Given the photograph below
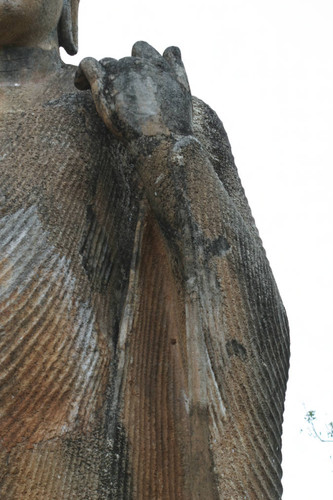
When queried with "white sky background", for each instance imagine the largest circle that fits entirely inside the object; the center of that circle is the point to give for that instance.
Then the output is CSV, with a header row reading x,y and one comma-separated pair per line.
x,y
266,68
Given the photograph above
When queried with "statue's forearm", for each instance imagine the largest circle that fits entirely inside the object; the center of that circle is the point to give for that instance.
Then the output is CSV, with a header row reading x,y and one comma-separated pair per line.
x,y
185,194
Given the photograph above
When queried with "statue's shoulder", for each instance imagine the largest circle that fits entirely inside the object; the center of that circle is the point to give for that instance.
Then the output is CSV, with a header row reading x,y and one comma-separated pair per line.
x,y
208,127
209,130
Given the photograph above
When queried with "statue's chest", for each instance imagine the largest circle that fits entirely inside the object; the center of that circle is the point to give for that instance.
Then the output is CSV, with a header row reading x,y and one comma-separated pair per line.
x,y
48,172
45,159
61,173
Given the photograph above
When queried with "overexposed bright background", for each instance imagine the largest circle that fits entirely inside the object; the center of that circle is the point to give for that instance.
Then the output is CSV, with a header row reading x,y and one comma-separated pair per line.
x,y
266,68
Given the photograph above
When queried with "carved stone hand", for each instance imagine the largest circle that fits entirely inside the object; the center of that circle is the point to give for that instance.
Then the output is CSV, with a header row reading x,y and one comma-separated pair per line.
x,y
143,95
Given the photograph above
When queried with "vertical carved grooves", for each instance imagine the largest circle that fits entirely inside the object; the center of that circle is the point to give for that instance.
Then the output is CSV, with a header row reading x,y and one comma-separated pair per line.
x,y
155,419
240,308
107,243
251,315
105,226
44,471
53,364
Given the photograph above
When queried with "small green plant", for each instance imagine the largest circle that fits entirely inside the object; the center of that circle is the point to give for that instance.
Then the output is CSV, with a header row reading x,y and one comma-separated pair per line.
x,y
311,417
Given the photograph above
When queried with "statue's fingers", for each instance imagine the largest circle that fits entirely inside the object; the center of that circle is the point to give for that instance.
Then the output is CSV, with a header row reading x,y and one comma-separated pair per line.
x,y
94,73
80,80
89,75
173,55
174,58
144,50
110,65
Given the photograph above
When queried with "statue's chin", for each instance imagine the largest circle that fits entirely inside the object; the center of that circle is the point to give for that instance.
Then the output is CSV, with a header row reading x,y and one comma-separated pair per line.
x,y
27,22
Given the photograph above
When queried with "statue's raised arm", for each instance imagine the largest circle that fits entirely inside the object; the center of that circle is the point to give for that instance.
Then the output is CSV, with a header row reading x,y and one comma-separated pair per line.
x,y
144,346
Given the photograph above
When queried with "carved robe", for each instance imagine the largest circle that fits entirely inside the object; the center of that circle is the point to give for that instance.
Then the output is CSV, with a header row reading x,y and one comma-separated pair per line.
x,y
143,350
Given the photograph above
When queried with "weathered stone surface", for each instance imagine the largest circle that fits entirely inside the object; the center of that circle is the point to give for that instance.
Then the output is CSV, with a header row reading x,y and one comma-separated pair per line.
x,y
143,343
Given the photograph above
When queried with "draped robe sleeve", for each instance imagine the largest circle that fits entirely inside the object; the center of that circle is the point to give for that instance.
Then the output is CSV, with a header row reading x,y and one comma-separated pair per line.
x,y
204,345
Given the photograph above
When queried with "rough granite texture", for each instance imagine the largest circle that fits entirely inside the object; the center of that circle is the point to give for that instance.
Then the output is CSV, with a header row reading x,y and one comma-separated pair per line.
x,y
144,346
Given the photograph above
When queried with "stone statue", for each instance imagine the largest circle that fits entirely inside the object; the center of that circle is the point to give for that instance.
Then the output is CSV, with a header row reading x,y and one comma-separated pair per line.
x,y
144,345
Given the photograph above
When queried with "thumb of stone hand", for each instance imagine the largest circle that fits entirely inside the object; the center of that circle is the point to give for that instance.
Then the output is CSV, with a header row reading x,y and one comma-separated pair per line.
x,y
91,74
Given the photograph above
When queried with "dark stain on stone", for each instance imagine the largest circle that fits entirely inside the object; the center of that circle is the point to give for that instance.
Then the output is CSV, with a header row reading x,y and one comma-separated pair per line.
x,y
234,348
219,247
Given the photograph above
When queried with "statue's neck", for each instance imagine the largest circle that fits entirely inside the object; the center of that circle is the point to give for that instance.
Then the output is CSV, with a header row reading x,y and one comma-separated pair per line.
x,y
20,65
